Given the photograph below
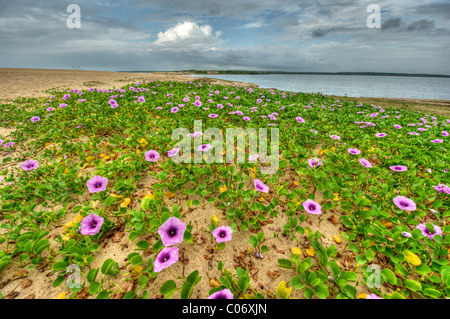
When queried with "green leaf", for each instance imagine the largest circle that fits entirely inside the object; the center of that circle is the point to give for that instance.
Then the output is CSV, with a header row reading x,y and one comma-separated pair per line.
x,y
41,245
284,263
143,244
322,291
389,276
110,200
94,288
109,267
58,281
129,295
60,266
309,292
335,269
168,289
186,290
413,285
143,280
92,274
431,293
350,291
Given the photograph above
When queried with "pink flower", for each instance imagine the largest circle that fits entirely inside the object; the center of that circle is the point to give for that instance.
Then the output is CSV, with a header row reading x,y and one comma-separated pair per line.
x,y
173,152
222,234
312,207
427,232
354,151
365,162
314,162
152,156
299,119
260,186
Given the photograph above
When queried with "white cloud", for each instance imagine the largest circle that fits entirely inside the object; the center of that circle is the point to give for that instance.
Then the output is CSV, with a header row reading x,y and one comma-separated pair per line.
x,y
189,33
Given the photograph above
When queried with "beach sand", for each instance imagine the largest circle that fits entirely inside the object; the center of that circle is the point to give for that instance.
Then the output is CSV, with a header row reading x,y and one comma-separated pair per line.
x,y
16,82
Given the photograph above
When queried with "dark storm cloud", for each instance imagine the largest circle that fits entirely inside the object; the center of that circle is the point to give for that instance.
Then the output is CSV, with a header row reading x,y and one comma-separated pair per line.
x,y
434,9
393,23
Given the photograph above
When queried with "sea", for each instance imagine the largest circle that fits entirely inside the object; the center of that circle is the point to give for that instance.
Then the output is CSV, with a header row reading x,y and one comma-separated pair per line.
x,y
349,85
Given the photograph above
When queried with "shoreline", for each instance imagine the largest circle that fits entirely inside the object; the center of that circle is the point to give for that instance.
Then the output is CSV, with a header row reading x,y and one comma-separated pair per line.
x,y
27,82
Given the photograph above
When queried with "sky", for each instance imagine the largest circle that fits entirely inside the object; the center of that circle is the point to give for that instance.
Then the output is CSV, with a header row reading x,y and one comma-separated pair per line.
x,y
168,35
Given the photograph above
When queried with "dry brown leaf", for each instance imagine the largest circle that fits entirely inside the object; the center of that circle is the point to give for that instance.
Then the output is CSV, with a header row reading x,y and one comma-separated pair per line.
x,y
273,274
26,283
213,282
20,274
116,237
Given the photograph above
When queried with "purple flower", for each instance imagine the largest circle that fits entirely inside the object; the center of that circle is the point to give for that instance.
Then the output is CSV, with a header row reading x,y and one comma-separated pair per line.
x,y
253,157
442,188
204,147
9,144
97,184
220,106
35,119
380,134
63,105
373,296
50,109
335,137
413,133
299,119
365,162
29,164
437,141
198,103
354,151
260,186
312,207
406,234
222,294
246,118
152,156
445,133
1,179
66,96
398,168
213,116
427,232
314,162
404,203
141,99
222,234
196,134
80,126
173,152
172,231
166,257
397,126
174,110
91,224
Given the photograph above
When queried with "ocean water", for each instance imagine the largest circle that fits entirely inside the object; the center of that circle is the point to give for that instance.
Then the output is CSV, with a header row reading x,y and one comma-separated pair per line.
x,y
349,85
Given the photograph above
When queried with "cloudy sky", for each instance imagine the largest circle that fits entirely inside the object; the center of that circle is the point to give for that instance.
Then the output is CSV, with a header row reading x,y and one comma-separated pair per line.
x,y
165,35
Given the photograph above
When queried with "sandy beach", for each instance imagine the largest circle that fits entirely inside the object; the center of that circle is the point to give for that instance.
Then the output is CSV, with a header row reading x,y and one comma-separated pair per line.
x,y
17,82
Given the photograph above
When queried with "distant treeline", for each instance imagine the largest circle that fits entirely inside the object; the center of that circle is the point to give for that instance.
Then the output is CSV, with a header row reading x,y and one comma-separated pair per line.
x,y
319,73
